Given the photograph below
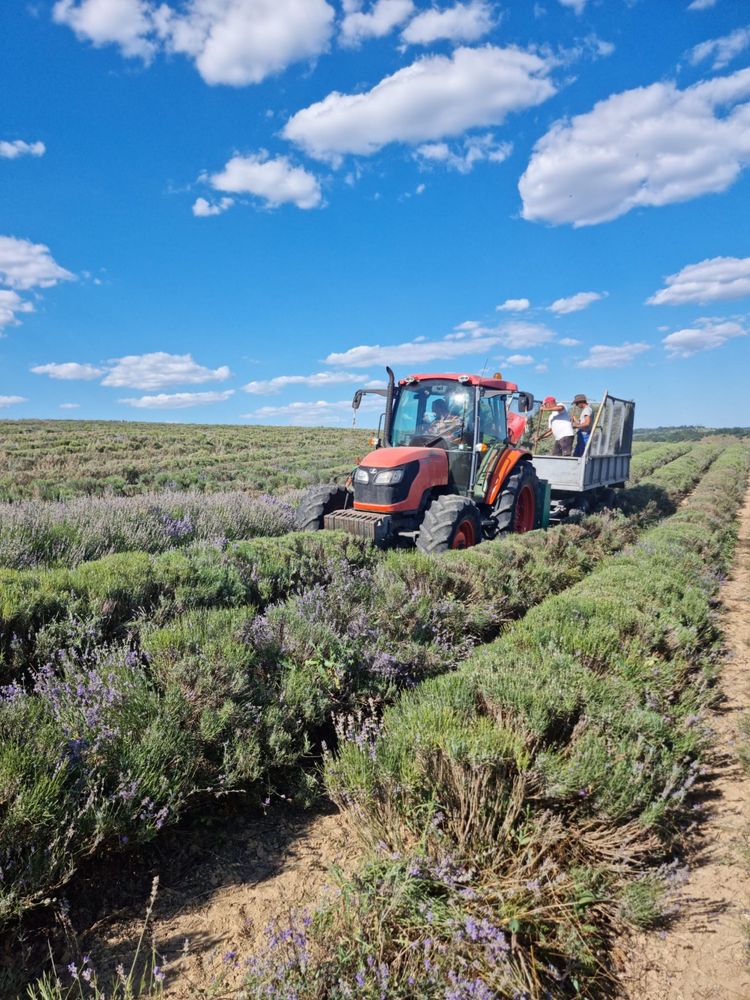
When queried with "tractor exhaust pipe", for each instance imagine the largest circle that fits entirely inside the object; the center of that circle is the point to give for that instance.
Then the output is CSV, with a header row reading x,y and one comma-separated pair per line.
x,y
388,407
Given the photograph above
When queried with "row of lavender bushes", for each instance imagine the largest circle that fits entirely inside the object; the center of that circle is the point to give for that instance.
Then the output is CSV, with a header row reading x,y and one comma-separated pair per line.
x,y
65,533
104,745
520,810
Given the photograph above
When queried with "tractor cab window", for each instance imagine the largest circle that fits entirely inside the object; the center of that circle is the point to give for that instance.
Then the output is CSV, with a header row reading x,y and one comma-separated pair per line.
x,y
435,413
492,419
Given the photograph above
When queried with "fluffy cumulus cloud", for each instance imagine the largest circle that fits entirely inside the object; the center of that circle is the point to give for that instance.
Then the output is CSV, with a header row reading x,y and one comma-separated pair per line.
x,y
11,304
235,42
577,5
463,22
433,98
463,158
274,385
203,209
159,369
514,305
12,150
69,371
70,406
519,359
379,20
650,146
25,265
721,50
320,413
702,4
569,342
275,180
713,280
12,400
177,400
611,356
575,303
706,334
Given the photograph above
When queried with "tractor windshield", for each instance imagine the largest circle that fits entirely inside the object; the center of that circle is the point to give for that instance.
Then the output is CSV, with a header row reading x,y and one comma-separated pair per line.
x,y
436,413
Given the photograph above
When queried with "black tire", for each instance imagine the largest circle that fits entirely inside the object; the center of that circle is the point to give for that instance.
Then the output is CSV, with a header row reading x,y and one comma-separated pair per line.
x,y
316,503
447,521
506,506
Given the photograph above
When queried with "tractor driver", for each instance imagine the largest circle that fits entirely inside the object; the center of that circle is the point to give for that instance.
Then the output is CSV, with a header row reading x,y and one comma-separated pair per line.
x,y
446,424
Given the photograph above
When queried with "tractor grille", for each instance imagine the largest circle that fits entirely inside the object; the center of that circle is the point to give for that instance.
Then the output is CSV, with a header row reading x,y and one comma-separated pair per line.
x,y
363,523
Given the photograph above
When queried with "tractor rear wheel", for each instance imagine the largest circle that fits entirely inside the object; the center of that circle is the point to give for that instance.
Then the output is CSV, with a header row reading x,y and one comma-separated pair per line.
x,y
316,503
515,509
450,522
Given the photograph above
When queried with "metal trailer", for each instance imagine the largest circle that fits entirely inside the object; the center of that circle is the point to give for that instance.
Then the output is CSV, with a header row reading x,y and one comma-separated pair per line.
x,y
576,483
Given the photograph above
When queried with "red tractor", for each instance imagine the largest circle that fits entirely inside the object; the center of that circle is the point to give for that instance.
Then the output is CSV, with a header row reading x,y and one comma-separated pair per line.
x,y
446,471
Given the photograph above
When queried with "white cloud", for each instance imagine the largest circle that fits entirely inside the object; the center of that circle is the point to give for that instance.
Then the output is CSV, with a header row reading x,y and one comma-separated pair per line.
x,y
702,4
276,181
177,400
380,20
435,97
273,385
575,303
722,50
126,23
463,22
319,413
11,303
68,370
474,150
706,335
541,368
25,265
569,342
609,356
577,5
519,359
519,334
650,146
159,369
70,406
714,280
12,400
514,305
202,208
16,148
235,42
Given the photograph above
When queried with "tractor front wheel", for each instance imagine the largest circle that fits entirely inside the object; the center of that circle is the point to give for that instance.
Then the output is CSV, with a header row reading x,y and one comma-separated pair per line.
x,y
515,509
450,522
316,503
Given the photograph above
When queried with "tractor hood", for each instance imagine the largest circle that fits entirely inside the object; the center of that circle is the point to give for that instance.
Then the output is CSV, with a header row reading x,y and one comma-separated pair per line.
x,y
423,470
390,458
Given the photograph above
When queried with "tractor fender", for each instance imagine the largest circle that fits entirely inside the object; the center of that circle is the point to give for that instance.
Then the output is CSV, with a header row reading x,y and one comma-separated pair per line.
x,y
506,463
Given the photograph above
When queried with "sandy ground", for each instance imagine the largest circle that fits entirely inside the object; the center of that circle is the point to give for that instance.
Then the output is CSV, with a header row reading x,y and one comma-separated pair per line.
x,y
216,898
704,954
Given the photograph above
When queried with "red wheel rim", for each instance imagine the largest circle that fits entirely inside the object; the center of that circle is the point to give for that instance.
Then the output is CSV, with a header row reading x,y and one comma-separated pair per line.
x,y
465,535
525,510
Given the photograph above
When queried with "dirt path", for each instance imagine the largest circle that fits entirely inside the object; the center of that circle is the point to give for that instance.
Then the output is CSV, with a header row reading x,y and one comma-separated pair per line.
x,y
704,955
215,898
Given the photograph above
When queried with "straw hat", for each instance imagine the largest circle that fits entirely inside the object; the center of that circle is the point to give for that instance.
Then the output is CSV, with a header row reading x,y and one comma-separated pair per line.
x,y
580,399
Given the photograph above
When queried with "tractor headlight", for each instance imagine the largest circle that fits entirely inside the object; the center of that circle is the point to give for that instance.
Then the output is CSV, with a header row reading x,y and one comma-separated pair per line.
x,y
360,476
389,477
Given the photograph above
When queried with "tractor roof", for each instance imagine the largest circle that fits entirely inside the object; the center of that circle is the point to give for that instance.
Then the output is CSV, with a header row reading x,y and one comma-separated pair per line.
x,y
487,383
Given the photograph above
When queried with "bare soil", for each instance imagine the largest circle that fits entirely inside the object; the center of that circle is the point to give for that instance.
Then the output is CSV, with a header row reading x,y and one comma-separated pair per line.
x,y
220,885
704,953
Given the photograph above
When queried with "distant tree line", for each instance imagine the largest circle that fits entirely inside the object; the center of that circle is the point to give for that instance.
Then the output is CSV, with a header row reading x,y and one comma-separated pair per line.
x,y
687,432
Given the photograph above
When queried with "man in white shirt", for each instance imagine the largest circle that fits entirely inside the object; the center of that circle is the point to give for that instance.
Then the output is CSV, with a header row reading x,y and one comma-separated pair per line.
x,y
582,423
560,426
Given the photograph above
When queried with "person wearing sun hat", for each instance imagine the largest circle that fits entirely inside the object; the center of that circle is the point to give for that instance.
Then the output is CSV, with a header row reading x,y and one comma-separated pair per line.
x,y
559,425
582,423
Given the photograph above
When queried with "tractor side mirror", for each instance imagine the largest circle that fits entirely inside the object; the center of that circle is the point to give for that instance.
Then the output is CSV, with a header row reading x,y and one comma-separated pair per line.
x,y
525,402
357,399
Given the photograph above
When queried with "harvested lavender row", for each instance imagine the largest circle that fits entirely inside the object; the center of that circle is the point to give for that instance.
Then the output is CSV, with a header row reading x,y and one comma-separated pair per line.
x,y
515,804
44,533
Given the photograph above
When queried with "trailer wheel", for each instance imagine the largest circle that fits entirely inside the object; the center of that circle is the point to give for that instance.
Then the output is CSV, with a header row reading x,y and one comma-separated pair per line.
x,y
515,509
450,522
316,503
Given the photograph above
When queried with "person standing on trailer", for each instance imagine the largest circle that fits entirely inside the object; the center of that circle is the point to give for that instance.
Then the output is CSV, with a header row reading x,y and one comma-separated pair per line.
x,y
560,426
582,423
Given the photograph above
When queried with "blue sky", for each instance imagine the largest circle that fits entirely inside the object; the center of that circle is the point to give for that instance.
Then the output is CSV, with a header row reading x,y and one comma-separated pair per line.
x,y
240,210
